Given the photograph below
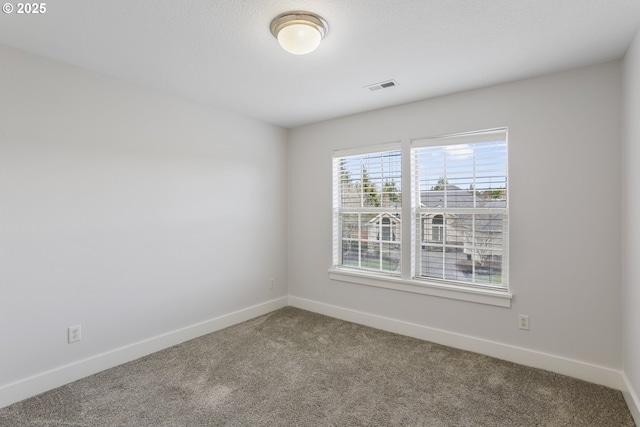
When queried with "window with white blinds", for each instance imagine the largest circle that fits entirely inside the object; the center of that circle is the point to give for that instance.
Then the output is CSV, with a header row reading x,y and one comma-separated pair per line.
x,y
367,209
460,201
453,212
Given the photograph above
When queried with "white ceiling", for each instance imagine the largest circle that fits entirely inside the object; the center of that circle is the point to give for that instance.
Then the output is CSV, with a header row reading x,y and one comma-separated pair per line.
x,y
220,52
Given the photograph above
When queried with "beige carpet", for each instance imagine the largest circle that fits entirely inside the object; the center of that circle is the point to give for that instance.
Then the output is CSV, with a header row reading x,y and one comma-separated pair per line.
x,y
295,368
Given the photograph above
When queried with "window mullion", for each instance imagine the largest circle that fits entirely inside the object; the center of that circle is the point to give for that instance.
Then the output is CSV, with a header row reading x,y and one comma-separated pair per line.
x,y
409,211
359,236
473,247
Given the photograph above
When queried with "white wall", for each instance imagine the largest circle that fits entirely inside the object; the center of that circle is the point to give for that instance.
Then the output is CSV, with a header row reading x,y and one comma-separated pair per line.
x,y
630,225
564,136
131,212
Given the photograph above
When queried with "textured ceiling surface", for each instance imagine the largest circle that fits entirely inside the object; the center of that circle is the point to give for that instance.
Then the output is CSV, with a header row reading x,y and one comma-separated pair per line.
x,y
221,52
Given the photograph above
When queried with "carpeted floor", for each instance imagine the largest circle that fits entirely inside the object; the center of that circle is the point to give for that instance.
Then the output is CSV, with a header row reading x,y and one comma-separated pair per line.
x,y
296,368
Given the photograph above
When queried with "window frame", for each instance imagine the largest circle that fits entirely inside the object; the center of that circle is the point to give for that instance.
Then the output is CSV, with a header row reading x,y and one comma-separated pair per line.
x,y
408,234
339,211
478,208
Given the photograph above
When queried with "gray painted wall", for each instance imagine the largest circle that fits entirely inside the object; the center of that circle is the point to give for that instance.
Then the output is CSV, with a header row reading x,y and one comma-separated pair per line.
x,y
565,158
630,225
128,211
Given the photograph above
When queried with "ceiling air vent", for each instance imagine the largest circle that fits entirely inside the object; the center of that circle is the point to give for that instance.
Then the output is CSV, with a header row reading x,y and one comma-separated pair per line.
x,y
382,85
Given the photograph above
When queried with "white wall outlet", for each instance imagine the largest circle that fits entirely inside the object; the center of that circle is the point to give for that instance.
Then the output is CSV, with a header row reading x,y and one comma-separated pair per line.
x,y
523,322
272,283
75,333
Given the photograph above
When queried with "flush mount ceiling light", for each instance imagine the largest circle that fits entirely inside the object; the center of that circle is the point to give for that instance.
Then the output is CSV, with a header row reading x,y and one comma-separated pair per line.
x,y
299,32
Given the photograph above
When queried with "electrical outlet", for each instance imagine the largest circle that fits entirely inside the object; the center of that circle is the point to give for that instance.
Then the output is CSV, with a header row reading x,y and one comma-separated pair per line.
x,y
523,322
75,333
272,283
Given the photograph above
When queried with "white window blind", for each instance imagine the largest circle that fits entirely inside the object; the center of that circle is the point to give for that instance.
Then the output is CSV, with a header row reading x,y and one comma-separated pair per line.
x,y
367,210
460,203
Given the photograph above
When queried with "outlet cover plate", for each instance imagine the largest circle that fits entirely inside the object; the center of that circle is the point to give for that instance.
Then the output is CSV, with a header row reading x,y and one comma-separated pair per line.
x,y
74,333
523,322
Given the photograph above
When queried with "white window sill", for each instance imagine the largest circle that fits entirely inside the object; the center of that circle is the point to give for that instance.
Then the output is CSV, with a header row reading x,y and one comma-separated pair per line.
x,y
477,295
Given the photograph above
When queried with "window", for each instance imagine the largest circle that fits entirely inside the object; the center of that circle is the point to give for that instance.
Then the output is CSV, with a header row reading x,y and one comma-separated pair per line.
x,y
437,228
461,186
367,211
456,208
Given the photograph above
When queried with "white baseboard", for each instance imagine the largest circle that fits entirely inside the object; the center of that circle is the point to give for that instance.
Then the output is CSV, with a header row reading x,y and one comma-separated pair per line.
x,y
632,400
19,390
584,371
